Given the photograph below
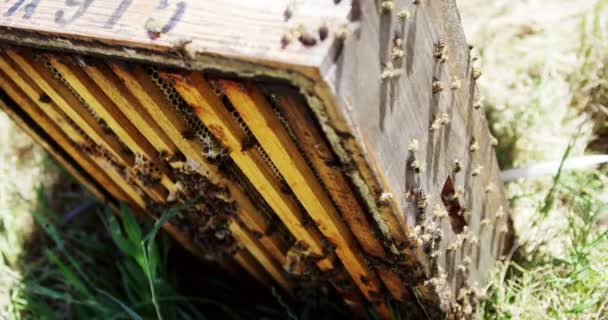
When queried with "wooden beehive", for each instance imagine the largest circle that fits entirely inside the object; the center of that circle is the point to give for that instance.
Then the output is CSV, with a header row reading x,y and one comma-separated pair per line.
x,y
315,143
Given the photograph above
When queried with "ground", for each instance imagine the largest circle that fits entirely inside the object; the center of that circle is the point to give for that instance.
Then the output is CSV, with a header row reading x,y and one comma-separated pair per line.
x,y
545,83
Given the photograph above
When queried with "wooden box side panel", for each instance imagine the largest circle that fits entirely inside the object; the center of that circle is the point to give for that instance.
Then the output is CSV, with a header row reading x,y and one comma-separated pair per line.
x,y
386,100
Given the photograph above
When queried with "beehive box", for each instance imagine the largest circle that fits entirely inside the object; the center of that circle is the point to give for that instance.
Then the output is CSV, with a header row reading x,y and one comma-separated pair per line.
x,y
315,143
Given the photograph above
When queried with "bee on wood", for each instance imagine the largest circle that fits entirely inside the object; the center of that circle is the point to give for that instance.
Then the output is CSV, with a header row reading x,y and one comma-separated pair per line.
x,y
418,166
306,38
44,98
444,119
385,198
422,200
493,141
389,72
403,15
457,166
414,145
474,145
476,72
440,51
435,125
476,171
323,31
490,188
456,83
286,40
288,13
387,6
437,86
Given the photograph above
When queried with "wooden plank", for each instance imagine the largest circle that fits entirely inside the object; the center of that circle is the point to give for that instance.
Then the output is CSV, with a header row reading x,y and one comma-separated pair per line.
x,y
50,127
129,131
129,106
319,154
211,112
64,99
153,101
257,114
251,30
57,126
60,95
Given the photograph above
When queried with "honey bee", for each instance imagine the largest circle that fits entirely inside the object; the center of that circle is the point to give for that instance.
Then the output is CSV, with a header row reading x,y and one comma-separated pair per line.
x,y
440,51
323,31
387,6
437,86
474,145
418,166
456,83
414,145
403,15
476,171
457,166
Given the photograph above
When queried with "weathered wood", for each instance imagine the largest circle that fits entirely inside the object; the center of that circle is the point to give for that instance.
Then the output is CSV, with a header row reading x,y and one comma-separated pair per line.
x,y
232,28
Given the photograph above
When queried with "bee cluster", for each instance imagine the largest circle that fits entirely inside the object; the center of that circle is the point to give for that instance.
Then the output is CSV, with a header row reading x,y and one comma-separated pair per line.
x,y
204,212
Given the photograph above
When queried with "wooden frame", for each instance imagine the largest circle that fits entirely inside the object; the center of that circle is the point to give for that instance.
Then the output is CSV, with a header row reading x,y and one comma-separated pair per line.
x,y
379,91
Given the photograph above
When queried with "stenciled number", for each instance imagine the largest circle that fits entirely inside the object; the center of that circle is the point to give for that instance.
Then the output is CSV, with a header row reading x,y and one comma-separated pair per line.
x,y
81,7
28,9
124,5
180,9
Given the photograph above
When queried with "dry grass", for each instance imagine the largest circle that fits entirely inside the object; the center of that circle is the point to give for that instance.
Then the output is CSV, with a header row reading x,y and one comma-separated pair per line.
x,y
545,83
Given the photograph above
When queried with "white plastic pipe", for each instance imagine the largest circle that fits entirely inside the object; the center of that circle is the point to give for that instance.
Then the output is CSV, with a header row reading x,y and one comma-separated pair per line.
x,y
550,168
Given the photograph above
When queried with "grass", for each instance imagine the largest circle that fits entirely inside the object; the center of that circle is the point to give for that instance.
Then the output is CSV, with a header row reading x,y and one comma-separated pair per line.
x,y
570,285
545,87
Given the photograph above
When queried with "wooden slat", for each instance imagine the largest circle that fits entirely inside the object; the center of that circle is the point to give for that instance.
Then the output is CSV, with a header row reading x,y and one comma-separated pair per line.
x,y
320,156
64,99
75,110
129,131
197,93
263,123
52,129
129,106
153,101
97,99
57,126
